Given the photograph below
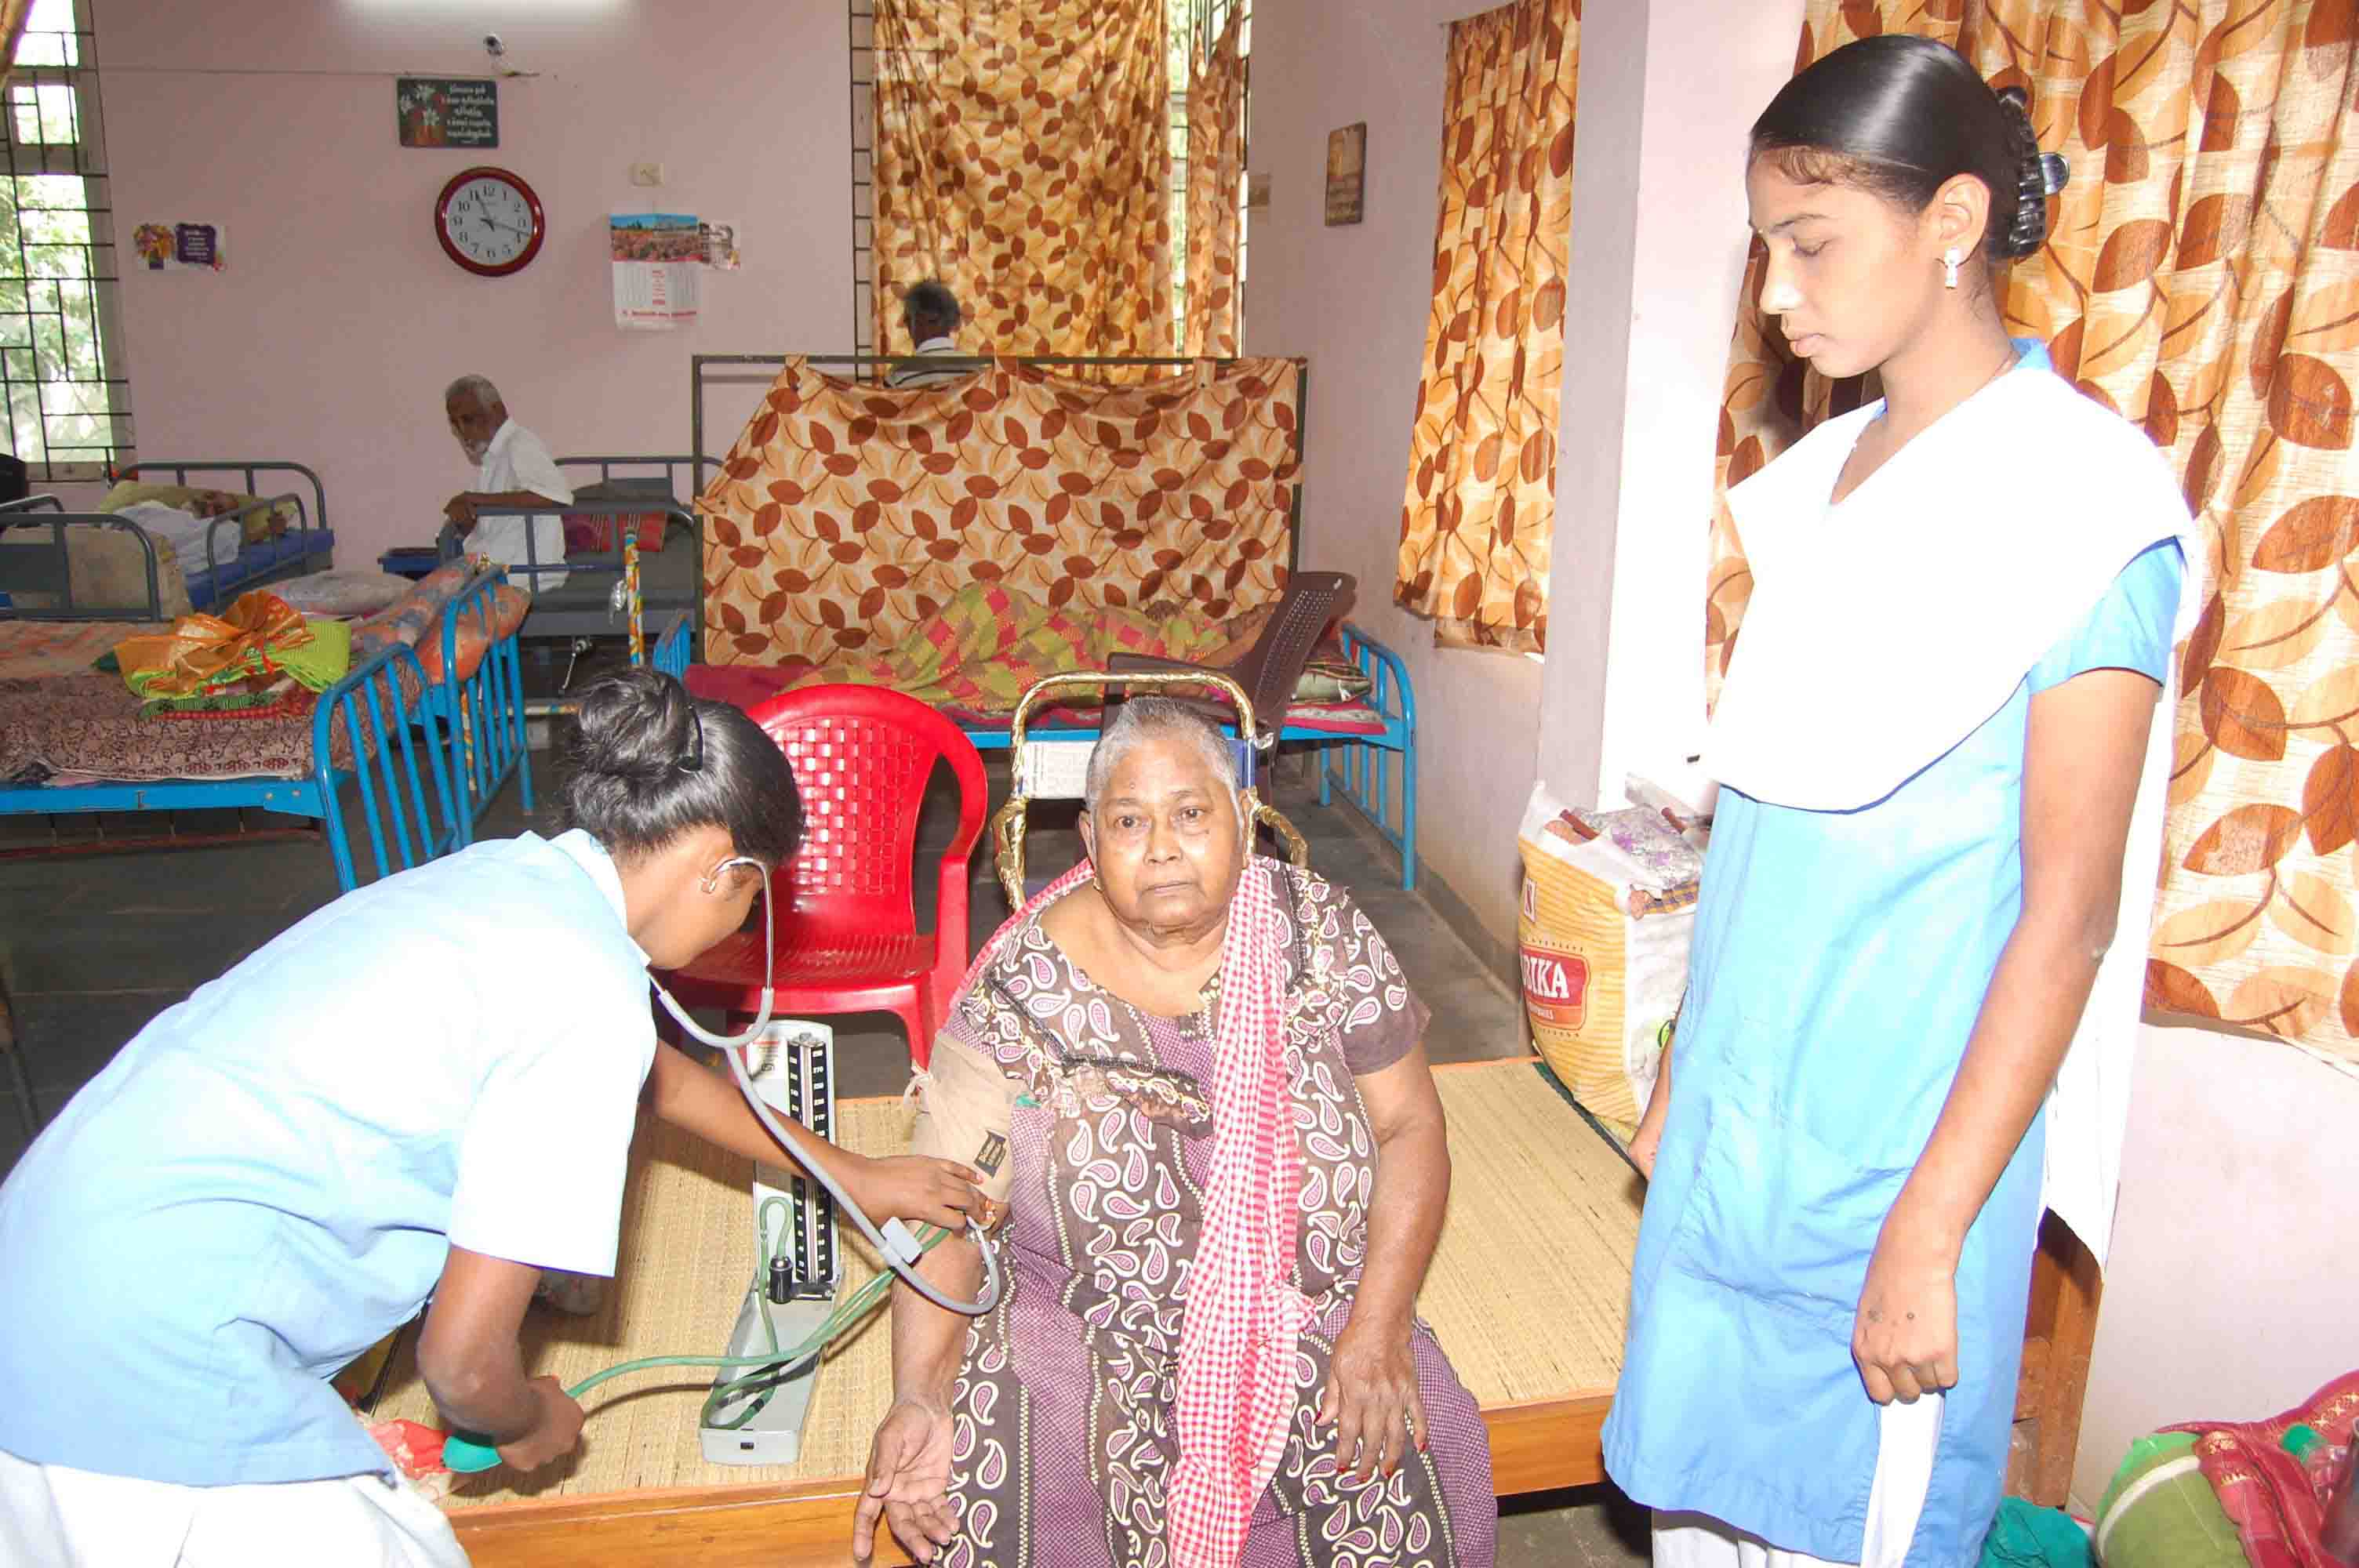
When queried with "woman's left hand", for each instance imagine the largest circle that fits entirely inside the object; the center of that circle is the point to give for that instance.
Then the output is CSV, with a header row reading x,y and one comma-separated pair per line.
x,y
1371,1397
918,1188
1905,1337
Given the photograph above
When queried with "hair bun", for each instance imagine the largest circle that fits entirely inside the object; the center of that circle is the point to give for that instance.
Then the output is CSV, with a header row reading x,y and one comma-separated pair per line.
x,y
2039,176
636,725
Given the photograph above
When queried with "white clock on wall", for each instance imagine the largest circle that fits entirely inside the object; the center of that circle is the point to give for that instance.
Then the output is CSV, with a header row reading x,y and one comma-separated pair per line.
x,y
489,221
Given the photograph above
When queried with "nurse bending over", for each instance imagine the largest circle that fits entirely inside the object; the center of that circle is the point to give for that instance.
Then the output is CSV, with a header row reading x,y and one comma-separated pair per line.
x,y
426,1089
1936,739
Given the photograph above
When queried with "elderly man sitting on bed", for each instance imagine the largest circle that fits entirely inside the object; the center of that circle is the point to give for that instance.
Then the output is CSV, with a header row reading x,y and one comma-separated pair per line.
x,y
1197,1080
514,468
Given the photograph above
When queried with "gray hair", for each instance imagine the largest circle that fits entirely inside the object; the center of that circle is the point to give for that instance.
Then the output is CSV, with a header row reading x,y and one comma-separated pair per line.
x,y
1142,718
478,387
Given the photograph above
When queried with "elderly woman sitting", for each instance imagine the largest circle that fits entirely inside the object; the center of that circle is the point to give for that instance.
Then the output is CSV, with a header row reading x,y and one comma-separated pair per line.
x,y
1199,1080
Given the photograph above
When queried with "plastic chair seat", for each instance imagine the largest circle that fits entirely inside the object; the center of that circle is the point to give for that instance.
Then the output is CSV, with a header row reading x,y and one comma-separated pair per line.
x,y
737,961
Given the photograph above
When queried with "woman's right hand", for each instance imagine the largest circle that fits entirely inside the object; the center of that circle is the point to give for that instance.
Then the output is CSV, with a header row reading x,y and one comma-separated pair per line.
x,y
1649,1135
908,1481
556,1434
918,1188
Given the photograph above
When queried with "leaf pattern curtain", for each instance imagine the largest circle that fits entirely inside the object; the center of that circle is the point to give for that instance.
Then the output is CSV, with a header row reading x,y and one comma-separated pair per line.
x,y
1023,157
846,514
1481,499
2202,280
12,14
1216,167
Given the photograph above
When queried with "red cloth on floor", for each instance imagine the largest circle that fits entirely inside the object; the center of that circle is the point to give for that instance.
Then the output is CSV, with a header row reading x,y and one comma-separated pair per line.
x,y
2278,1502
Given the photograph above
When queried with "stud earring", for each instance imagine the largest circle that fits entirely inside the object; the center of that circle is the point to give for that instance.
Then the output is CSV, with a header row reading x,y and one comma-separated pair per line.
x,y
1949,267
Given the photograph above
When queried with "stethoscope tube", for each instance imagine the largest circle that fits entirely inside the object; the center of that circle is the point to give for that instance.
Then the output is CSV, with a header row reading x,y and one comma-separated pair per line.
x,y
893,1242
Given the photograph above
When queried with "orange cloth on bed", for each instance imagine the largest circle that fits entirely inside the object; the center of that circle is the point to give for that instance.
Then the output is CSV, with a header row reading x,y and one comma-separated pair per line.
x,y
206,653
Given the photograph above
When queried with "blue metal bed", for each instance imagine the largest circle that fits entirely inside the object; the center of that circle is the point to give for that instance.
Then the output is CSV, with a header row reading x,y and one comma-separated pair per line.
x,y
421,788
310,545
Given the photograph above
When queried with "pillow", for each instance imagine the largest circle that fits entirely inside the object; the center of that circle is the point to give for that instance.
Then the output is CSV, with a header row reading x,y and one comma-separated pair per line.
x,y
353,591
505,614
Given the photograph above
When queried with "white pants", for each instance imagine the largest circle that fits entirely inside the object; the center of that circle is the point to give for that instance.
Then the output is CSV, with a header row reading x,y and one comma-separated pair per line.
x,y
1910,1437
53,1516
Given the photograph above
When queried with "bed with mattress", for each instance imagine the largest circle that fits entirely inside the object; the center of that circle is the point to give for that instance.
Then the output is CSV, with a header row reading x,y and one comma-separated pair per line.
x,y
419,732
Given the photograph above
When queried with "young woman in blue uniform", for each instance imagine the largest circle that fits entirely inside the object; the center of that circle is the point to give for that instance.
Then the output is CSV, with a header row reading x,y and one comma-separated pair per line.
x,y
426,1089
1938,721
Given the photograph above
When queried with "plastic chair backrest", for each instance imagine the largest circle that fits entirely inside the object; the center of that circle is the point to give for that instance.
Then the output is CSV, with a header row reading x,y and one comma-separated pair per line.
x,y
861,756
1271,668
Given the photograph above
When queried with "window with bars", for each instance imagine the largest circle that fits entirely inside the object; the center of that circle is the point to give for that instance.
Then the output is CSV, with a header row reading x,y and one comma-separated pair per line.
x,y
60,328
1193,24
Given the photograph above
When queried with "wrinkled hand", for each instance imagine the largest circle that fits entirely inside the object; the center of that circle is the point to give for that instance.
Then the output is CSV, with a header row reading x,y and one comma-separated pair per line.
x,y
918,1188
461,509
1371,1397
908,1482
1905,1337
557,1433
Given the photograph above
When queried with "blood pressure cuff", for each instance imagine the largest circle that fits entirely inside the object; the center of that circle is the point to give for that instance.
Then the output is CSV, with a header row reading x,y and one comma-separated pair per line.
x,y
965,1107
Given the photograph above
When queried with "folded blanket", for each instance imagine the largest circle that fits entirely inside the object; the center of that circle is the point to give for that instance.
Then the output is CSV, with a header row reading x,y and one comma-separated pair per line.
x,y
258,642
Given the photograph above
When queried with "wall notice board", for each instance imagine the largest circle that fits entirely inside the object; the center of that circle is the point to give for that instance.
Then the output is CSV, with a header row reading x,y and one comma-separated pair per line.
x,y
447,111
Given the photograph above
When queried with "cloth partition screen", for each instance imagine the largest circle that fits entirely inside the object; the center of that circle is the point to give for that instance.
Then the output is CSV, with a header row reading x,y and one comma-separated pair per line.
x,y
846,512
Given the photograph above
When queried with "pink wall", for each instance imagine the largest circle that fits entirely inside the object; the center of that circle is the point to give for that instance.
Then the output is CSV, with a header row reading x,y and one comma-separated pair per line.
x,y
338,321
1354,298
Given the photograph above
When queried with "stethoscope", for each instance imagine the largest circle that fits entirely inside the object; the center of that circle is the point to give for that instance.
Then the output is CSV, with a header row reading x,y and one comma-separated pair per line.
x,y
899,1249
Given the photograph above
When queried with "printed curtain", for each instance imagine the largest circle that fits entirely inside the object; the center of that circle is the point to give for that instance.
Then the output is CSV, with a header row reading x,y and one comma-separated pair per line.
x,y
1482,463
12,14
1023,157
846,512
2202,280
1216,167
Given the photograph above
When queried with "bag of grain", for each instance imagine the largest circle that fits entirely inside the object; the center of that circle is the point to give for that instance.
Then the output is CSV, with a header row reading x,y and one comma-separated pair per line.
x,y
1608,911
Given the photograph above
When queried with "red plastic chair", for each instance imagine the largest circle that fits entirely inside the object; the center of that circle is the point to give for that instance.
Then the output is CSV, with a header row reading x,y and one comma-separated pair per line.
x,y
847,926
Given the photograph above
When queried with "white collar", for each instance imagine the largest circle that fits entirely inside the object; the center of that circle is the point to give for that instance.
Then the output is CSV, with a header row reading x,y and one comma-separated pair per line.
x,y
579,845
507,433
1884,630
938,346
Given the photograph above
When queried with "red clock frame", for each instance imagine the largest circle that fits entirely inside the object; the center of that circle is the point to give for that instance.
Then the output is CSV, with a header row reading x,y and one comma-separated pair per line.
x,y
515,183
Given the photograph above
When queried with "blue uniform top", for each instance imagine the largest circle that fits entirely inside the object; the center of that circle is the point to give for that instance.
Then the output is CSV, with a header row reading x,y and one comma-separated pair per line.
x,y
268,1178
1841,960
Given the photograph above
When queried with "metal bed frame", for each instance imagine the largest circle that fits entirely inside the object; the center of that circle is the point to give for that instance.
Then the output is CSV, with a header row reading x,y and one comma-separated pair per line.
x,y
308,557
206,589
422,767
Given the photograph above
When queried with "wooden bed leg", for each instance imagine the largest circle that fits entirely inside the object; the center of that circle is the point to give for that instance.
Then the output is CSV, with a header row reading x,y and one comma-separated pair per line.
x,y
2060,1330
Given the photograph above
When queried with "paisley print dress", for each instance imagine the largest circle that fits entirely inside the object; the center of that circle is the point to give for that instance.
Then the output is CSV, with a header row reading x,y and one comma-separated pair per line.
x,y
1063,1432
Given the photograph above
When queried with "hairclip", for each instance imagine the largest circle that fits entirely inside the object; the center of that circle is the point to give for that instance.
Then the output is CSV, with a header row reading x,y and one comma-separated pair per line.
x,y
694,760
2053,173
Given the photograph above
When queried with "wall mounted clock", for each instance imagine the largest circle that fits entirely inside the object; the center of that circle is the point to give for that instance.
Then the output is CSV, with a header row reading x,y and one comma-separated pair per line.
x,y
489,221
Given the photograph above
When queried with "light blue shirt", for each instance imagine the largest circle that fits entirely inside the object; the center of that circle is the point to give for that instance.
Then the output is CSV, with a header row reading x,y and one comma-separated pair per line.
x,y
268,1178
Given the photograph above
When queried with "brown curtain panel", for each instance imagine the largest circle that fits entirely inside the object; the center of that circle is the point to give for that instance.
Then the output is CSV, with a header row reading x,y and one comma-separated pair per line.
x,y
1482,467
1023,157
12,32
1216,167
2202,280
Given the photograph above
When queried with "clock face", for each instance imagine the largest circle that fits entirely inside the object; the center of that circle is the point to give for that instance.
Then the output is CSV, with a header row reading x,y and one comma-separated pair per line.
x,y
489,221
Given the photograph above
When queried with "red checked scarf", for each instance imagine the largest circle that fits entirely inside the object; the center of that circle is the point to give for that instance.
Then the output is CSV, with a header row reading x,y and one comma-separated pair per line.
x,y
1236,1375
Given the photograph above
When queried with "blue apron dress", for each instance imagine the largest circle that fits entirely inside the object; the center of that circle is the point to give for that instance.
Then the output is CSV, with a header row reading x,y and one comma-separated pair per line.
x,y
1841,960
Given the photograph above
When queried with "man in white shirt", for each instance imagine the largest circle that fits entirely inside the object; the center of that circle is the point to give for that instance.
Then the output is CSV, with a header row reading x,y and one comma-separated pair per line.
x,y
931,315
514,470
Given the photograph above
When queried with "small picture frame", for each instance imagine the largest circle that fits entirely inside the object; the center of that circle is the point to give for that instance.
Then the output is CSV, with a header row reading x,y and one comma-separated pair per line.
x,y
1347,174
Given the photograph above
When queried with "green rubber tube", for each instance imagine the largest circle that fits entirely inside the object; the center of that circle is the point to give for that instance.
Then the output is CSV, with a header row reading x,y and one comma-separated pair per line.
x,y
463,1454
